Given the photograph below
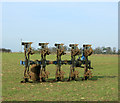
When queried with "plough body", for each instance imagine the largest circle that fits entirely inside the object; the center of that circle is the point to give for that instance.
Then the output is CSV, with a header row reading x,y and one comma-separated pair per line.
x,y
38,72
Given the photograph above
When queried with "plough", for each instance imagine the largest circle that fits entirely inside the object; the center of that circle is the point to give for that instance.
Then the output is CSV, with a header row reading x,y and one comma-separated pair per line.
x,y
38,72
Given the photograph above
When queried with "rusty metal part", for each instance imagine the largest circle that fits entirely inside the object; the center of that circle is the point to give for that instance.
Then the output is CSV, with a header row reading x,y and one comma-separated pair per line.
x,y
59,76
35,72
74,49
27,51
74,52
87,50
60,51
73,74
38,71
44,52
88,75
87,72
44,74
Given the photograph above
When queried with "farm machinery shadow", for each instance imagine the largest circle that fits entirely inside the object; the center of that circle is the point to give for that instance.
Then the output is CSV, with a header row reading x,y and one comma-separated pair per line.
x,y
81,78
94,78
97,77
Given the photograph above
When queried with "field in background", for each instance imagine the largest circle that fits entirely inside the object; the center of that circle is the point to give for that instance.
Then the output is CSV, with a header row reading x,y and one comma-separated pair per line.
x,y
102,87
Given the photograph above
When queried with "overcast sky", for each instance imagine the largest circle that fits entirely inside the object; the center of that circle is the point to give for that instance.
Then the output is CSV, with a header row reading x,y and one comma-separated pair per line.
x,y
93,23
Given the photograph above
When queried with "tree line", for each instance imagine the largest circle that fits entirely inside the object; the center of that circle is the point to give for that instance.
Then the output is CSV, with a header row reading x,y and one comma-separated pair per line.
x,y
97,50
5,50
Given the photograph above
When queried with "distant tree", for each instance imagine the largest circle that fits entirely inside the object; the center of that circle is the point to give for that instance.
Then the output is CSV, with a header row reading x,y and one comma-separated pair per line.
x,y
98,50
114,50
104,50
5,50
8,50
108,50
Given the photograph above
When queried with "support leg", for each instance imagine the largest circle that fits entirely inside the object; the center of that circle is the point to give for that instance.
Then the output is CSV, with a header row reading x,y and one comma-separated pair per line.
x,y
59,74
87,73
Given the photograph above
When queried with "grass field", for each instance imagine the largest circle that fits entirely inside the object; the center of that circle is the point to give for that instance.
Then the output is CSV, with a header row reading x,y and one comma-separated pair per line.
x,y
102,87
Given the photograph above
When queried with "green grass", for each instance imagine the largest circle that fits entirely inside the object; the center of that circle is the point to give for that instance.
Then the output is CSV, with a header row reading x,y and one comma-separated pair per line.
x,y
102,87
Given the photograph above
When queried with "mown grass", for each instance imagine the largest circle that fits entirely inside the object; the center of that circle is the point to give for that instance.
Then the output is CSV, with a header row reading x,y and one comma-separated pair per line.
x,y
102,87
